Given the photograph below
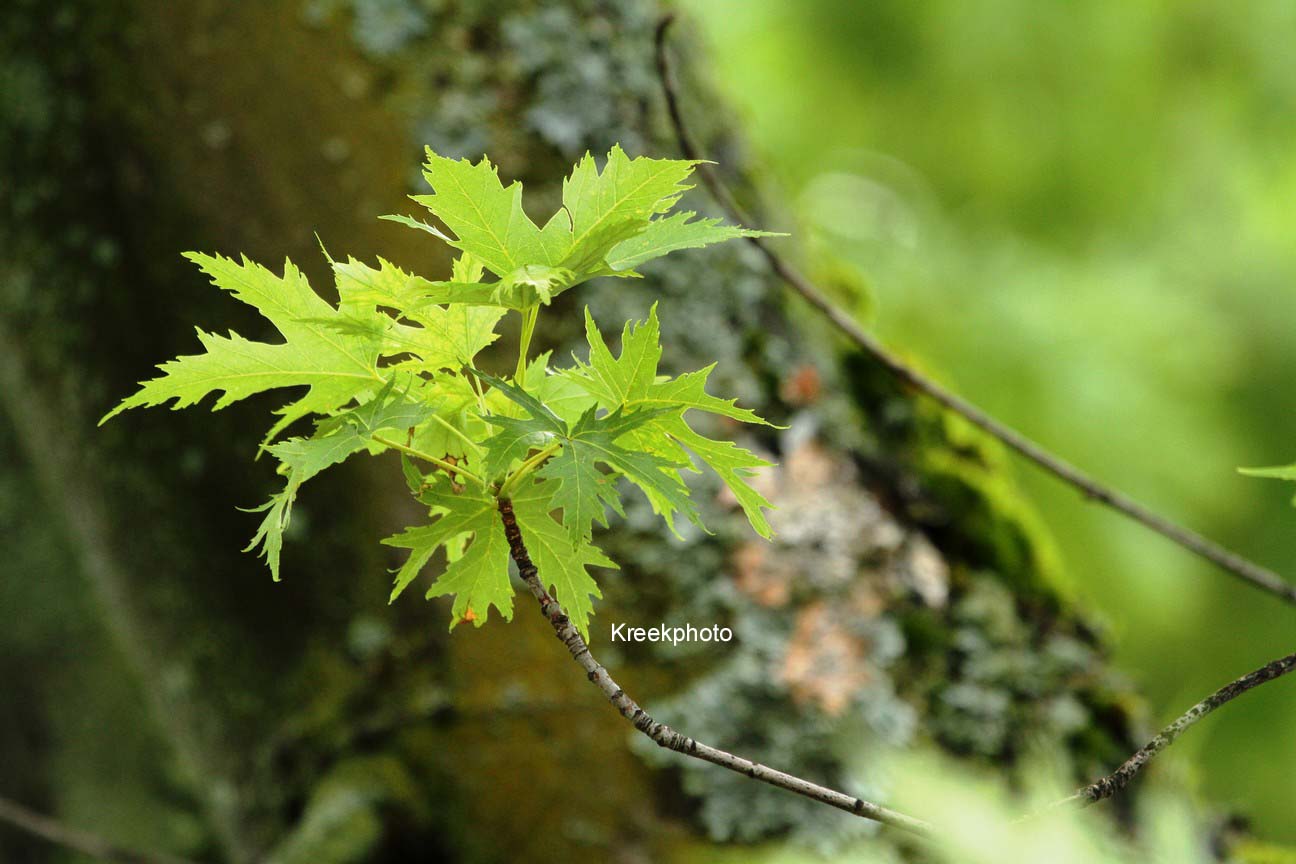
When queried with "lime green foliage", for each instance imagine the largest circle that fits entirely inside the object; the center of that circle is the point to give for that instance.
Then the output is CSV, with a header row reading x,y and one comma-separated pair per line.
x,y
1280,472
630,383
605,227
1254,852
478,569
562,561
392,367
335,439
318,351
1067,277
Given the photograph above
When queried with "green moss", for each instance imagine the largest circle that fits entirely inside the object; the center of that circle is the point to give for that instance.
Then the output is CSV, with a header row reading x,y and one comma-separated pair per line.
x,y
956,481
990,524
1013,659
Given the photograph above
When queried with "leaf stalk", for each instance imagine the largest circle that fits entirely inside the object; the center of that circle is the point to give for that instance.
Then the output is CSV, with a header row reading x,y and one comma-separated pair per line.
x,y
429,458
527,467
529,316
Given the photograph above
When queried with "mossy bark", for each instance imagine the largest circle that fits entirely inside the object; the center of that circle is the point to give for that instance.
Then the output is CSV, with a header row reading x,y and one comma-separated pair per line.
x,y
307,720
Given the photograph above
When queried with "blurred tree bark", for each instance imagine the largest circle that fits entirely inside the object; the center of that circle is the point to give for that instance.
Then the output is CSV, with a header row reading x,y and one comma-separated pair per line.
x,y
167,693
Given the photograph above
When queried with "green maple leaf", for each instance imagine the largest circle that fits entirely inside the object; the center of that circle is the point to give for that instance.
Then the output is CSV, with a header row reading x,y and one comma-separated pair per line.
x,y
1280,472
487,218
335,439
611,206
480,294
545,419
630,383
562,563
670,234
559,393
393,288
617,381
477,575
612,220
386,285
300,459
391,366
734,465
517,436
458,419
582,489
564,402
335,366
460,330
596,441
631,380
439,336
466,269
532,284
417,225
398,408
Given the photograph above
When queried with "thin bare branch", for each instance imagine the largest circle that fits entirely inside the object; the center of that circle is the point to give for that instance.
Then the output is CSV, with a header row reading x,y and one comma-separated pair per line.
x,y
1121,777
664,735
1257,576
91,845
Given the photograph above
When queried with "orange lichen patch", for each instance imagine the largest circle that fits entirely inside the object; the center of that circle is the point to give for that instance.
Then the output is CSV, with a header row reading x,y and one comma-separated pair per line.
x,y
802,386
811,466
864,602
825,664
767,585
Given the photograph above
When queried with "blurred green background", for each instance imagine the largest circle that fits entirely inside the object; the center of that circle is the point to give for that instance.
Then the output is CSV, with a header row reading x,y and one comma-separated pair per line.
x,y
1083,217
1075,214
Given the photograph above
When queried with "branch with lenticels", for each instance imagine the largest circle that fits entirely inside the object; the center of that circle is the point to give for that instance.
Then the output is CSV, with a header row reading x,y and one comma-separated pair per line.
x,y
1121,777
664,735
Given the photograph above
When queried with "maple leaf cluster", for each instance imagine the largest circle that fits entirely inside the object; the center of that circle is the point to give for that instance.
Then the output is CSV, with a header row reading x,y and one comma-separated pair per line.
x,y
392,367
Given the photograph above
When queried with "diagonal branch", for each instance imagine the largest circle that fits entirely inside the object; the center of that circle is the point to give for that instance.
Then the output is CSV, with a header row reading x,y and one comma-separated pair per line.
x,y
1259,577
1120,778
664,735
90,845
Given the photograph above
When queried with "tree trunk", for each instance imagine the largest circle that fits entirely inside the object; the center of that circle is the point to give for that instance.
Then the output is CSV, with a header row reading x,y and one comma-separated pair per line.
x,y
173,696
